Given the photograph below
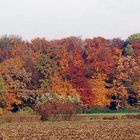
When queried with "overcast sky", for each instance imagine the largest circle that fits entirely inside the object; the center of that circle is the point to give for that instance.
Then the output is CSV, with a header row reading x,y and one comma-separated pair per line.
x,y
61,18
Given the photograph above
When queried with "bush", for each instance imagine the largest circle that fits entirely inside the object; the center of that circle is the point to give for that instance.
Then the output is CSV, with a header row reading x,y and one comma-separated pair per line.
x,y
27,110
57,110
55,107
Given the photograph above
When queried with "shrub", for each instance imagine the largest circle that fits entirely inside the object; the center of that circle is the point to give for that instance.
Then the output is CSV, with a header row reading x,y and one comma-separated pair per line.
x,y
55,107
27,110
57,110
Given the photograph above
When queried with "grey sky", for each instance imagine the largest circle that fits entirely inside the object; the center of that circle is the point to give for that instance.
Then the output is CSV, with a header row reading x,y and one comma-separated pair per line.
x,y
61,18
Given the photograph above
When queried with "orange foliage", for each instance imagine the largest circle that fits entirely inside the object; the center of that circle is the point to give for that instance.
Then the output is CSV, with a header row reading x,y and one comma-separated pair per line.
x,y
98,85
69,67
10,65
11,98
62,87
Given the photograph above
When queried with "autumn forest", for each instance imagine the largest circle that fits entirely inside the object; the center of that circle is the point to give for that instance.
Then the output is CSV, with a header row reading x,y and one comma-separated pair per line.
x,y
94,72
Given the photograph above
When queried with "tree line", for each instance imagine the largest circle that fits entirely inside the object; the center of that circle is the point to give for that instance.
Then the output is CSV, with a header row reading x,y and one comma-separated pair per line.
x,y
94,72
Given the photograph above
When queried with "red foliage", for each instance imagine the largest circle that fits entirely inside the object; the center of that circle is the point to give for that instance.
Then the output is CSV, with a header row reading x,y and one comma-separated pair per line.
x,y
136,47
99,55
78,80
71,61
57,110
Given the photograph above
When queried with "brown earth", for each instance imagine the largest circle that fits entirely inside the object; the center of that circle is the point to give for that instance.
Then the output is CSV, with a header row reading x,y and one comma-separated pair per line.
x,y
78,130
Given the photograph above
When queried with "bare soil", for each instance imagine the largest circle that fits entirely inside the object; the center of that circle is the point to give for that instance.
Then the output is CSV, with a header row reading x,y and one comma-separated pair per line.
x,y
76,130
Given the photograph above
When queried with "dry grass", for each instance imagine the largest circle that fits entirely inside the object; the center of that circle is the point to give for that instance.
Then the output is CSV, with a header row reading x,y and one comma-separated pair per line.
x,y
103,130
19,117
108,116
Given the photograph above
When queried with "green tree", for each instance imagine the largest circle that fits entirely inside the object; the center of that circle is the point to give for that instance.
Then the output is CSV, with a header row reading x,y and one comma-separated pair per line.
x,y
129,50
134,37
47,66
